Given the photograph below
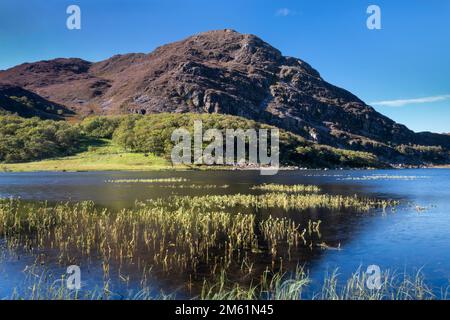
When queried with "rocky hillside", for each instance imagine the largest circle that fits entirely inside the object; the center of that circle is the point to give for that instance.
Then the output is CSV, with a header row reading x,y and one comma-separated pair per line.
x,y
230,73
16,100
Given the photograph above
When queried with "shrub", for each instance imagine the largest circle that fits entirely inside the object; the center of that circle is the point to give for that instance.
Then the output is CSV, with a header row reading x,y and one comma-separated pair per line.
x,y
100,127
33,139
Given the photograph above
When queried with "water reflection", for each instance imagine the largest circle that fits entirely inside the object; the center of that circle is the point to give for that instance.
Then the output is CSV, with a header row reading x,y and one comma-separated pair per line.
x,y
406,239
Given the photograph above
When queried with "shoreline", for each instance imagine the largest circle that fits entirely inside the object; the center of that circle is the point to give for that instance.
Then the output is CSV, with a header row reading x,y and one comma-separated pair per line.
x,y
31,168
110,157
444,166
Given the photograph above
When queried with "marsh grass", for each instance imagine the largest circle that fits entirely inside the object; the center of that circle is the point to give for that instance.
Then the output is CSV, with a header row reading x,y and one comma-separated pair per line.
x,y
394,286
204,237
42,284
275,230
296,286
283,201
177,239
179,234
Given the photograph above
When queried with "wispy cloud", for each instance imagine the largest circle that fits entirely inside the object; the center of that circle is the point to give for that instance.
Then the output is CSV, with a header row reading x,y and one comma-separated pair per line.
x,y
284,12
404,102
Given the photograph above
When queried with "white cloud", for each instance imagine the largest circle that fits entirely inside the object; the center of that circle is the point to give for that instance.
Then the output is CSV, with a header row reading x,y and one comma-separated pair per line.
x,y
404,102
284,12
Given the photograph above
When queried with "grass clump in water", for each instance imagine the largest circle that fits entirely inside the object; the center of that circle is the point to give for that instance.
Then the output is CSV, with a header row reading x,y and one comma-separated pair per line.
x,y
286,188
283,201
195,186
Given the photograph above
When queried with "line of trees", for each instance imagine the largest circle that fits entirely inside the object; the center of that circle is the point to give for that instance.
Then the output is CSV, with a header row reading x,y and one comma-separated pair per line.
x,y
24,140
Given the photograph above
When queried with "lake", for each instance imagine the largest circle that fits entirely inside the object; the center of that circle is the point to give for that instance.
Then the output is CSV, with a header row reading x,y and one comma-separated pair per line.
x,y
414,237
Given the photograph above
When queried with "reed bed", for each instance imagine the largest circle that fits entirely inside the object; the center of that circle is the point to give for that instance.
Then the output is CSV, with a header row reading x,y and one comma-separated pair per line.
x,y
45,285
296,286
180,238
200,236
276,230
394,286
286,188
179,234
177,239
283,201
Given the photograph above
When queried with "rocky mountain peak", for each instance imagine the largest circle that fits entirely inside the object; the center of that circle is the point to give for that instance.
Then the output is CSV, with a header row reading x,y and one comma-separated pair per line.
x,y
220,71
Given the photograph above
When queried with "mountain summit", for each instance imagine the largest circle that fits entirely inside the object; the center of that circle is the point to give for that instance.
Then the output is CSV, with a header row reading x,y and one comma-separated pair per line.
x,y
226,72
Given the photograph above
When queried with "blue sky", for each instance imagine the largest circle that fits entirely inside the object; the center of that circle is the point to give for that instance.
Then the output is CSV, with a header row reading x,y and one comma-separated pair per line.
x,y
405,65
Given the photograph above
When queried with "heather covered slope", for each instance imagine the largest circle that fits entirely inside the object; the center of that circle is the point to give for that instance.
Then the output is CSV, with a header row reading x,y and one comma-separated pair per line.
x,y
16,100
229,73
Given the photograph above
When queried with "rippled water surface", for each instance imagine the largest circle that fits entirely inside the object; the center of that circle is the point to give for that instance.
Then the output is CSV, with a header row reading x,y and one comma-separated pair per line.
x,y
416,236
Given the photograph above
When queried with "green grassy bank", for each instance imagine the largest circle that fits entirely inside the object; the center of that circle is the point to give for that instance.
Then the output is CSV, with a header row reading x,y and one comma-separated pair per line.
x,y
105,157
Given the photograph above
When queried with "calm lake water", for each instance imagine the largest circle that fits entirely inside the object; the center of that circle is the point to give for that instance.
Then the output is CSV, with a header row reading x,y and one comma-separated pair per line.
x,y
406,240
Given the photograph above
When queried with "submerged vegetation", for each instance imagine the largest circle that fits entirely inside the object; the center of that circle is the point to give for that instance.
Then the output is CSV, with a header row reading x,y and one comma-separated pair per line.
x,y
213,240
